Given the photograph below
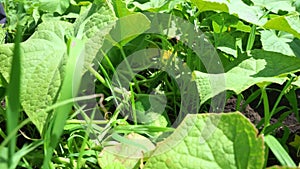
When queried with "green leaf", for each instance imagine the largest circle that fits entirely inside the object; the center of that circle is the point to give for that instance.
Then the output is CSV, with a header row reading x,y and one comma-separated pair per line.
x,y
261,67
127,153
223,20
211,5
13,95
279,151
42,57
227,44
2,35
51,6
282,43
3,158
92,27
114,165
18,155
126,29
251,14
290,24
150,109
296,142
120,8
210,141
276,5
151,6
69,89
297,82
240,26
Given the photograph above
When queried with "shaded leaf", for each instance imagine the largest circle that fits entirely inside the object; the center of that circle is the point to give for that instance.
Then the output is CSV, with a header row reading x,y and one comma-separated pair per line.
x,y
126,28
296,142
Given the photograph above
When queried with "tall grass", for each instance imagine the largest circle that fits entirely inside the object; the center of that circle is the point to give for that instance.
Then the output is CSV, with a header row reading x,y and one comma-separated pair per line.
x,y
13,96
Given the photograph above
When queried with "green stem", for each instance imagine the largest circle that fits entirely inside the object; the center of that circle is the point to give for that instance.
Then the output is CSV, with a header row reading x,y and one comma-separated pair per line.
x,y
97,75
251,38
282,93
238,102
133,104
266,108
129,68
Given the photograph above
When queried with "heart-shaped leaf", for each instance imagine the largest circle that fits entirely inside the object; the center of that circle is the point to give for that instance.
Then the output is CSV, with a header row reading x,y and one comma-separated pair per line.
x,y
42,59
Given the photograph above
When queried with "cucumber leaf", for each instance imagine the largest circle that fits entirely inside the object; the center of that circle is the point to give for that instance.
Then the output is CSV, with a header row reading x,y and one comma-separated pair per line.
x,y
282,42
260,67
210,141
42,54
92,27
290,24
276,5
251,14
59,6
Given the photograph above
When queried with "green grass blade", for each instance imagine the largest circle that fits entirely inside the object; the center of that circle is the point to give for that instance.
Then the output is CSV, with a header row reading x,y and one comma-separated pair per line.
x,y
69,89
127,141
25,150
13,133
251,38
279,151
292,98
13,95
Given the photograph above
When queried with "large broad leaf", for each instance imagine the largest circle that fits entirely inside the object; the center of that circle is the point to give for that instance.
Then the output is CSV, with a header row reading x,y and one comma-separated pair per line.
x,y
255,14
251,14
260,67
276,5
290,24
59,6
92,27
282,42
126,28
42,59
211,141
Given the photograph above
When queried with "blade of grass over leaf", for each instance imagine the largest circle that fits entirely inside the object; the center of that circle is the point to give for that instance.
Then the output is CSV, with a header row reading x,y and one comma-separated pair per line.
x,y
13,95
279,151
69,89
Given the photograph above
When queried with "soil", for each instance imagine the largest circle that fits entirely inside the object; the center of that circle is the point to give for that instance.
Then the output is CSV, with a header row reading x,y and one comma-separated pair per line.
x,y
252,115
